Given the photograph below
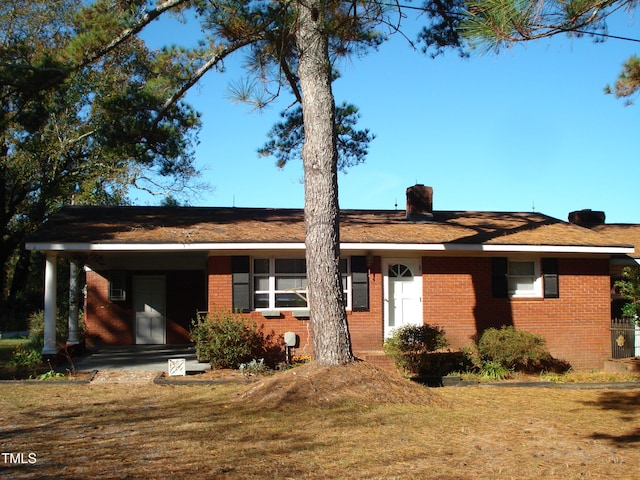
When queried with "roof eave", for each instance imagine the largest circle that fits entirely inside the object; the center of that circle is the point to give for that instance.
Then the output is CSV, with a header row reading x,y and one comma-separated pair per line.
x,y
407,247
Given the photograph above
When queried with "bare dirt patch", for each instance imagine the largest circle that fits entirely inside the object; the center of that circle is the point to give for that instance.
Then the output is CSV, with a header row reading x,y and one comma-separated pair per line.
x,y
360,382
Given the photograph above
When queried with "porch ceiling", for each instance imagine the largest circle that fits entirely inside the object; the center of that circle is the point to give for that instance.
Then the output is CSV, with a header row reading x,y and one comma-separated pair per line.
x,y
148,261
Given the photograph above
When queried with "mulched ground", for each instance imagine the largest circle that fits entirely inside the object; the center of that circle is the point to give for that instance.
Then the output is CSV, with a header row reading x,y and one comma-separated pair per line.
x,y
314,385
348,422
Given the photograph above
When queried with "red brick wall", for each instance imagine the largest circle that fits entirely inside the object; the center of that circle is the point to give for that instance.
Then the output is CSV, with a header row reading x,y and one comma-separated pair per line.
x,y
220,297
219,283
365,327
457,297
106,322
111,323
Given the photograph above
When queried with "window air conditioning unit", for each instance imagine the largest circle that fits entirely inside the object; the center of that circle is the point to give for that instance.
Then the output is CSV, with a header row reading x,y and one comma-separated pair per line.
x,y
117,294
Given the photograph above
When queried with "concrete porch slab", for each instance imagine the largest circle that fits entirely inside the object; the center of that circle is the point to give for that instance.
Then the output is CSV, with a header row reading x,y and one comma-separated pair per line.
x,y
137,358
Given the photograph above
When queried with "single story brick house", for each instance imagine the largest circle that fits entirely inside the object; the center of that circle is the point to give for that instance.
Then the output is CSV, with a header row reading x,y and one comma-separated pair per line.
x,y
150,269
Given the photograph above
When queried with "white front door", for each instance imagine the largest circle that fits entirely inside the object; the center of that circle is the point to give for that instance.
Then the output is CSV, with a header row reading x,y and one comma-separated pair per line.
x,y
403,293
149,306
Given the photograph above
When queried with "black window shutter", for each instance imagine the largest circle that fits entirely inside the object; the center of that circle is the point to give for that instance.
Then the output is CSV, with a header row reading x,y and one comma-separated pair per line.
x,y
550,278
359,284
240,284
499,284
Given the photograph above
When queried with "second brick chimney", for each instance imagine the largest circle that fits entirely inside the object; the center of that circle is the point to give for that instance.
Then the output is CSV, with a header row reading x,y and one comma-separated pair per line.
x,y
419,203
587,217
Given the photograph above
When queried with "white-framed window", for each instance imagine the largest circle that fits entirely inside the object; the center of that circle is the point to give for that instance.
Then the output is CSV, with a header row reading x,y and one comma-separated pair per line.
x,y
524,278
281,283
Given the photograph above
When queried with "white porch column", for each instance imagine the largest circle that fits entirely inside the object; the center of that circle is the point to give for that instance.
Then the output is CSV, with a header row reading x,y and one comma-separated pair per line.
x,y
50,305
74,302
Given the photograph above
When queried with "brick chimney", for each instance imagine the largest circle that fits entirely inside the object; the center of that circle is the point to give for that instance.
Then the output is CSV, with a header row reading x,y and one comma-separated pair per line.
x,y
419,203
587,218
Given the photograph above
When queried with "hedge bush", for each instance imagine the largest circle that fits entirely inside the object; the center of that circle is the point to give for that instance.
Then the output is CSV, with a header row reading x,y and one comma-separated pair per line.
x,y
409,346
225,340
515,350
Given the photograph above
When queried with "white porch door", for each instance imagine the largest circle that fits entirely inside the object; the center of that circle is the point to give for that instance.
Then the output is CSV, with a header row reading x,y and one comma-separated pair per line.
x,y
149,304
403,293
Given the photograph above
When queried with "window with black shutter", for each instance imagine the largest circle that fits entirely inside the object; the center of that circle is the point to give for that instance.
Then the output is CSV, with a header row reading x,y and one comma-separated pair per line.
x,y
359,284
499,280
281,283
241,287
550,278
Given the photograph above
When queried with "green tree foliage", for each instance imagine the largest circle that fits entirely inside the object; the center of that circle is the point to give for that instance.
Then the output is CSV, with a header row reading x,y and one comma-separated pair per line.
x,y
629,288
628,83
287,137
78,131
494,24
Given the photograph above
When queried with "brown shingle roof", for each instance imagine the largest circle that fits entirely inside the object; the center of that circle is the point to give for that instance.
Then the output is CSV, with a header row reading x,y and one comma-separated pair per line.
x,y
628,233
193,225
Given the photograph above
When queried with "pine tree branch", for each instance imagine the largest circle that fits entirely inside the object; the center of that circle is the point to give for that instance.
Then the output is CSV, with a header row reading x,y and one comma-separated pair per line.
x,y
191,81
126,34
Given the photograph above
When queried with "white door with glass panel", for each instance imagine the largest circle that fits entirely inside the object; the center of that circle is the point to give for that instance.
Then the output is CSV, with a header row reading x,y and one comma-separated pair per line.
x,y
149,306
402,293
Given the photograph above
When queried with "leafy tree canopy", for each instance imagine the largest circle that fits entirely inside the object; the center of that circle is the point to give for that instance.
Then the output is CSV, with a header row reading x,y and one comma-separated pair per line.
x,y
80,131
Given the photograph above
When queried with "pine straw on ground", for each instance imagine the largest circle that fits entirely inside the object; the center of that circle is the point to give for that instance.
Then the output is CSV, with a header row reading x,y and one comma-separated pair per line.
x,y
315,385
118,430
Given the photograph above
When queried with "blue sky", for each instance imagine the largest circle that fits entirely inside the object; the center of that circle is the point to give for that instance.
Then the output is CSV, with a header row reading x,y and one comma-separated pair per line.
x,y
527,129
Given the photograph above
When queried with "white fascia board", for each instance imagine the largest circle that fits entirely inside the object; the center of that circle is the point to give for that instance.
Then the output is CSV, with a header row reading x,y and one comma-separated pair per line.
x,y
159,247
406,247
449,247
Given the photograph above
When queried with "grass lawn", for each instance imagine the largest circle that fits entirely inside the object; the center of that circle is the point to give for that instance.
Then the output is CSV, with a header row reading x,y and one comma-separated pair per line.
x,y
120,430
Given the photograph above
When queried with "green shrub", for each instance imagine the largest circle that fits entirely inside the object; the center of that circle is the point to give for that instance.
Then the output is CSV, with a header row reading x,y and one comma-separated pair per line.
x,y
440,364
409,346
224,339
25,356
200,334
513,349
493,370
51,374
36,329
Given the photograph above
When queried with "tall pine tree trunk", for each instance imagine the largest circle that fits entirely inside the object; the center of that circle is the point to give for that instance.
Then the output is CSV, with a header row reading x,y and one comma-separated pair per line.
x,y
331,341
